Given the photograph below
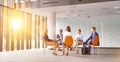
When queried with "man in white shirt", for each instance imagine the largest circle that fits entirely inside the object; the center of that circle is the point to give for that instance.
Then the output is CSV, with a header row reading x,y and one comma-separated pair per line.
x,y
78,40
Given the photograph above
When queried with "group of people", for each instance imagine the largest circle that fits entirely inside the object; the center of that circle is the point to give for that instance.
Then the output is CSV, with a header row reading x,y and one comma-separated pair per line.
x,y
78,40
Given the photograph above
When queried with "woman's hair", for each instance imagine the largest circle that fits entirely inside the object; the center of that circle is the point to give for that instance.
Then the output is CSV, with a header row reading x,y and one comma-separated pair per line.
x,y
68,29
45,31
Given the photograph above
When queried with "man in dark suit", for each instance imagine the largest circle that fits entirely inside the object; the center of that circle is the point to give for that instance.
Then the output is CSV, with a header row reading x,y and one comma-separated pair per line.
x,y
89,41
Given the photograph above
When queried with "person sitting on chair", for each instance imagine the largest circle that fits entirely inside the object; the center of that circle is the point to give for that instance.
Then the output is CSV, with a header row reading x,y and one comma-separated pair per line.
x,y
50,42
60,37
65,34
78,40
89,41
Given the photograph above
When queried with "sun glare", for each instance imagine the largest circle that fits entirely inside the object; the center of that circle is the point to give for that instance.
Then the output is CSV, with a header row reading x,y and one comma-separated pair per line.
x,y
16,24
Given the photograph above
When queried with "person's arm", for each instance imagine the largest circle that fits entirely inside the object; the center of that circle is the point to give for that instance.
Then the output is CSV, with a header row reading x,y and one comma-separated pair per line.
x,y
58,37
81,38
64,36
89,38
75,37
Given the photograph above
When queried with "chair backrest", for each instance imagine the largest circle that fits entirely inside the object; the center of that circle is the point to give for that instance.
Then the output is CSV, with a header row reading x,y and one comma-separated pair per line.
x,y
44,40
95,41
68,41
47,43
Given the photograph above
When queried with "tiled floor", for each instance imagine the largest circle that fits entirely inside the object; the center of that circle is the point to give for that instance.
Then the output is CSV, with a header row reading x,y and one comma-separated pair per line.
x,y
38,55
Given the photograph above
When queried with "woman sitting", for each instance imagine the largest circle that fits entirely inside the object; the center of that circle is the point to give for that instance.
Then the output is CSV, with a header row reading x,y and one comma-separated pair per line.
x,y
50,42
65,34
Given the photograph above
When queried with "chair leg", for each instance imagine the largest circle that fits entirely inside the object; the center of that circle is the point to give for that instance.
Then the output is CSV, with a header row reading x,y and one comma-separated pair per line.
x,y
44,50
63,49
98,50
94,50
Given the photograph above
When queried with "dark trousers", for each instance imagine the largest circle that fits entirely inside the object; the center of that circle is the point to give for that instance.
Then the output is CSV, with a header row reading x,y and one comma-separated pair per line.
x,y
89,47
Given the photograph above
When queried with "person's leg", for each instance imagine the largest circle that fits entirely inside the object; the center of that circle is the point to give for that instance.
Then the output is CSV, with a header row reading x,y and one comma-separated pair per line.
x,y
89,50
67,51
64,49
60,42
55,47
76,46
83,48
84,43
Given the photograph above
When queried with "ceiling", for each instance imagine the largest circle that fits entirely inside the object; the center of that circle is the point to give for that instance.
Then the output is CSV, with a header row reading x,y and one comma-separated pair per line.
x,y
81,10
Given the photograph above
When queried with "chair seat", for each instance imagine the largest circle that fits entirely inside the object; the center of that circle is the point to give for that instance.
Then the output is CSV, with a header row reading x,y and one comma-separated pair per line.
x,y
50,43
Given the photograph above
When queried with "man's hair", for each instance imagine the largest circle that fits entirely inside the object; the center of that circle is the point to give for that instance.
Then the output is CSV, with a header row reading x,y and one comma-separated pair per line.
x,y
94,28
61,30
68,29
79,30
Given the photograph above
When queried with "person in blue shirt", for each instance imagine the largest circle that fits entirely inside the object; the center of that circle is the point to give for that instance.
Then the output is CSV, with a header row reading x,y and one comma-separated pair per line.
x,y
89,40
78,40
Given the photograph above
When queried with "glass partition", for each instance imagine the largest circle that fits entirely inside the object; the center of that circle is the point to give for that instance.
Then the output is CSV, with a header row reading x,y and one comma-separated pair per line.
x,y
20,30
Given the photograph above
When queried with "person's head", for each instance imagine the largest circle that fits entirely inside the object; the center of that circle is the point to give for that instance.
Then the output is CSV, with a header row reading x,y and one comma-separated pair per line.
x,y
93,29
61,30
79,31
68,29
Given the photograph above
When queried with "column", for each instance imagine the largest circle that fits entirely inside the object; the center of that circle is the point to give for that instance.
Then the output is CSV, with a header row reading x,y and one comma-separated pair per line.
x,y
18,4
1,28
41,31
51,25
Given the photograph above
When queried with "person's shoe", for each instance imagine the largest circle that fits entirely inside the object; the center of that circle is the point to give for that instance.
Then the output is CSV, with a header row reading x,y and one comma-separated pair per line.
x,y
88,54
66,54
54,53
71,49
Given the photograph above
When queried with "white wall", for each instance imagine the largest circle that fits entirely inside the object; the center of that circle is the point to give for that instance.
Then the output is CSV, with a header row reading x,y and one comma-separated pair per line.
x,y
108,28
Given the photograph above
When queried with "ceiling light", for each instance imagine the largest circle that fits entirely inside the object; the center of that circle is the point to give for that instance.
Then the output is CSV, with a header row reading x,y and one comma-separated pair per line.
x,y
116,7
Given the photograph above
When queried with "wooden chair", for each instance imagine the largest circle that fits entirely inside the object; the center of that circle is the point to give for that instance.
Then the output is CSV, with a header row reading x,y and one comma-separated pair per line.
x,y
77,44
95,42
49,43
68,42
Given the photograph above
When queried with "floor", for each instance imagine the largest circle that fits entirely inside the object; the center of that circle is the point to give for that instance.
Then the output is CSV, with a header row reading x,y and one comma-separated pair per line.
x,y
41,55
